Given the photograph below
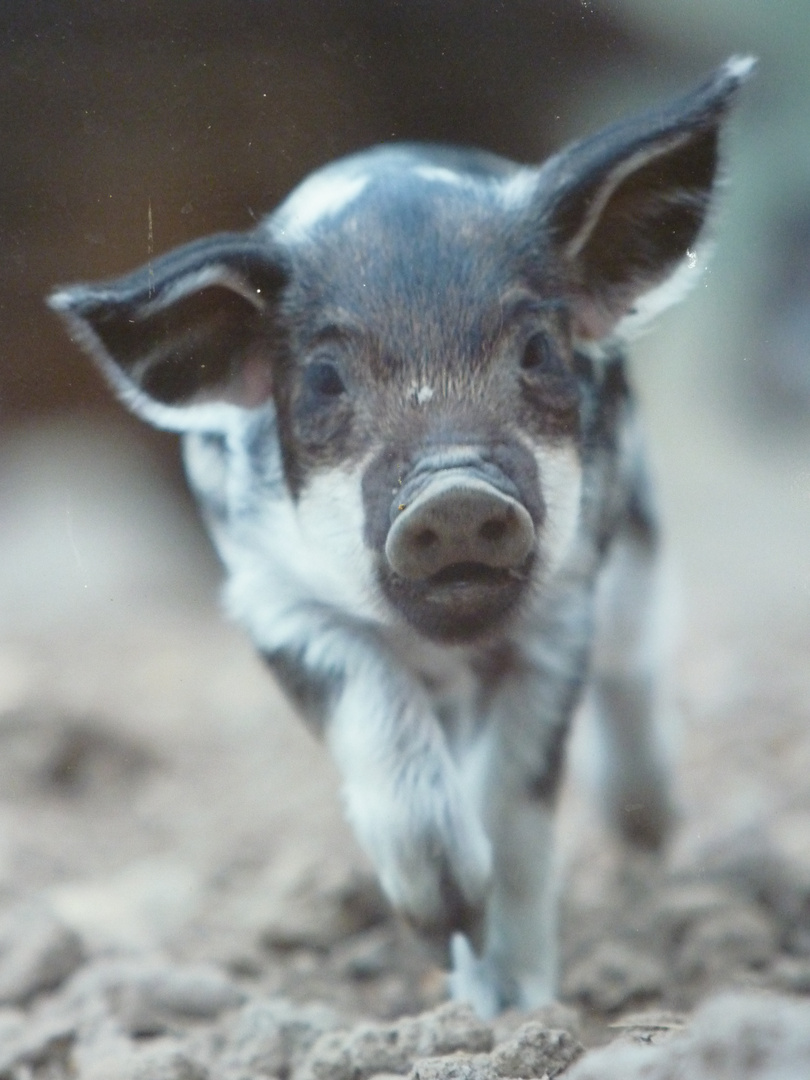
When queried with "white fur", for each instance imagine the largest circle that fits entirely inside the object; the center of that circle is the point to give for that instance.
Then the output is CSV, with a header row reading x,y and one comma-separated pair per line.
x,y
403,793
424,394
517,192
320,197
438,174
281,556
203,279
561,484
740,67
675,288
331,519
513,193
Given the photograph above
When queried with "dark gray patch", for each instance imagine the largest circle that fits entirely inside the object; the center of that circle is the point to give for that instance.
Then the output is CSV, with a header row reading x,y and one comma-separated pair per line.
x,y
461,609
67,756
457,915
642,520
313,693
495,664
641,808
545,784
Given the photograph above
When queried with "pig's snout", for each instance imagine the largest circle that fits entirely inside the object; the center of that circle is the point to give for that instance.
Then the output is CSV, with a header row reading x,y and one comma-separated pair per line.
x,y
458,521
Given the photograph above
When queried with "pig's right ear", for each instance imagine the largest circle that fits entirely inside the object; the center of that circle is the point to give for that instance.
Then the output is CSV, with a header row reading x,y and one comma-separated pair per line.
x,y
624,209
186,340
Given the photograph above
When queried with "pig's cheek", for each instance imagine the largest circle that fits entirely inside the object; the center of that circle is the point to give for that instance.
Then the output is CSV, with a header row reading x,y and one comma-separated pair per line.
x,y
332,518
560,472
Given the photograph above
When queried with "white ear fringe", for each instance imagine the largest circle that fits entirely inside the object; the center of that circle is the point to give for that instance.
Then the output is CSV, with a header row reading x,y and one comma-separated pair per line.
x,y
686,276
672,291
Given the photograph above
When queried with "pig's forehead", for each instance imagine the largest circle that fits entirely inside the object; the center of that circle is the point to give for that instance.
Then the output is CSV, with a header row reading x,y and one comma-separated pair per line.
x,y
395,176
406,233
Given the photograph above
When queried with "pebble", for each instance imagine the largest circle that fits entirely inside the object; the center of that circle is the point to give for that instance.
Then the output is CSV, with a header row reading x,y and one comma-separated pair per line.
x,y
306,914
613,976
37,953
151,996
111,1057
732,1037
369,1049
535,1050
270,1036
454,1067
735,939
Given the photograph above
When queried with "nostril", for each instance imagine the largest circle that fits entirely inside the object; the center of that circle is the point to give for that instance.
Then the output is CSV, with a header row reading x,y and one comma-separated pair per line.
x,y
458,521
493,530
425,538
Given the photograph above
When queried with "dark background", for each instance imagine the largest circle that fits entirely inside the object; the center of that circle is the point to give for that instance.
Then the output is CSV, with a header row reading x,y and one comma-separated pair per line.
x,y
203,114
209,112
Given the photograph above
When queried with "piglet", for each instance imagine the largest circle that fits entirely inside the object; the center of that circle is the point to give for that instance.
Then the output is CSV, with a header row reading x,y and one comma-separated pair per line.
x,y
406,418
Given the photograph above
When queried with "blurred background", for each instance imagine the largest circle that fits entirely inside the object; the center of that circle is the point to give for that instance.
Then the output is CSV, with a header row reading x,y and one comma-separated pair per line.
x,y
200,116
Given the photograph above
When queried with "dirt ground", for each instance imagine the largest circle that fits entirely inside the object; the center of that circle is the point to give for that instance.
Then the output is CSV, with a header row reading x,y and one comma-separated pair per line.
x,y
180,898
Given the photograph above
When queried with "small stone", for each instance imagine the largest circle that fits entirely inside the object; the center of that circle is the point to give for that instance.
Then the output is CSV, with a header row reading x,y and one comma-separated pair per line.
x,y
12,1022
452,1027
792,973
33,1044
732,940
613,976
375,1048
535,1050
366,956
109,1056
684,903
12,1026
732,1037
268,1037
152,998
37,953
48,751
554,1015
331,1059
148,997
650,1026
308,916
136,909
454,1067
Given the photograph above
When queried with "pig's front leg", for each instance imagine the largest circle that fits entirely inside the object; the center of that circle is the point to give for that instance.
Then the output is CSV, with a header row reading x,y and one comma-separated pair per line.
x,y
401,789
530,705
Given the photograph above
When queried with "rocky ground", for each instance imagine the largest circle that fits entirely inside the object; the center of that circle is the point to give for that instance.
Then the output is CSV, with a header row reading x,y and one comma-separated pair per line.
x,y
179,896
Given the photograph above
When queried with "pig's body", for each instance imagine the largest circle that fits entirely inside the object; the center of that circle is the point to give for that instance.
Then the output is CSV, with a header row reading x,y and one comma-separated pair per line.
x,y
409,429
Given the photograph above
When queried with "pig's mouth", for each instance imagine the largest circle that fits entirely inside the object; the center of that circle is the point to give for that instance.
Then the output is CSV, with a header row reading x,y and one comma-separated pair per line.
x,y
462,602
470,574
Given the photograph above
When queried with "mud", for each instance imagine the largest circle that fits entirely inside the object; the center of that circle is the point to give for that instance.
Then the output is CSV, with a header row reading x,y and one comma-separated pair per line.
x,y
180,898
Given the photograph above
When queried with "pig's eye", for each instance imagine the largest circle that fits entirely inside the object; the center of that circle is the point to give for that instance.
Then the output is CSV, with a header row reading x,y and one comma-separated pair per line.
x,y
323,380
540,357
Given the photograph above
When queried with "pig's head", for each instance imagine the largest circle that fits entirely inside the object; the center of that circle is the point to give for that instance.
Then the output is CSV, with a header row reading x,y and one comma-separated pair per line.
x,y
414,318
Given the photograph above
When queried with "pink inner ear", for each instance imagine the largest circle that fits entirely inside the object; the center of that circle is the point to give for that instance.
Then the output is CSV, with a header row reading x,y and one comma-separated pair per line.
x,y
256,383
593,320
249,388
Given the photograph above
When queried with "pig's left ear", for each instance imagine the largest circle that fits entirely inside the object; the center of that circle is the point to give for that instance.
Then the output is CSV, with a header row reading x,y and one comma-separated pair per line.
x,y
186,340
623,209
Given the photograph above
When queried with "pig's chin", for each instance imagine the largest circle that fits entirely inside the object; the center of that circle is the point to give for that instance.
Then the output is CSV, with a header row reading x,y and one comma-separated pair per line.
x,y
462,603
